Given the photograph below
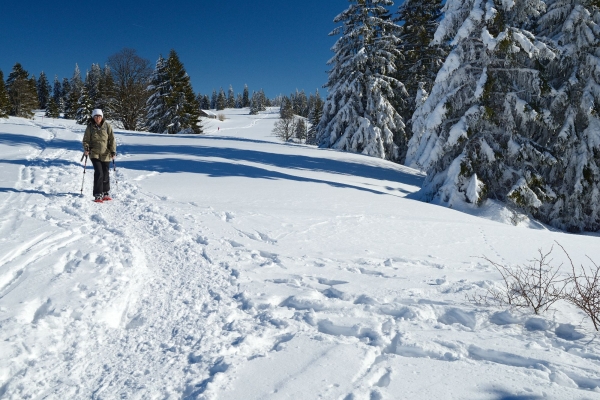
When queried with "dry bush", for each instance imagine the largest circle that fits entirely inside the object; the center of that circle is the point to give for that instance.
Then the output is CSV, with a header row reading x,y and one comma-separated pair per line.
x,y
585,290
221,117
536,285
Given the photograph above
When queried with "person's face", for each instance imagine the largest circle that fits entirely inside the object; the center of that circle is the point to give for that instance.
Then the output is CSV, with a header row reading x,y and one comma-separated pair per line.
x,y
97,119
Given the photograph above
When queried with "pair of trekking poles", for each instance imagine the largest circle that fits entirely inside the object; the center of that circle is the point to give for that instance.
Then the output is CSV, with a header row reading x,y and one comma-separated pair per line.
x,y
84,169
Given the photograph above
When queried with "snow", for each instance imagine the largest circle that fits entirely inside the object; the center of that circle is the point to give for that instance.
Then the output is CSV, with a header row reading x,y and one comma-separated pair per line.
x,y
230,265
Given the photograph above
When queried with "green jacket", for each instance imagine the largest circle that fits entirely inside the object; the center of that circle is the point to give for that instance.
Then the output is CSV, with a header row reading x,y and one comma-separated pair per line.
x,y
99,141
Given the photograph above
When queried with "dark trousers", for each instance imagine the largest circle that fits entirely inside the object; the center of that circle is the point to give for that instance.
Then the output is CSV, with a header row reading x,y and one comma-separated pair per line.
x,y
101,178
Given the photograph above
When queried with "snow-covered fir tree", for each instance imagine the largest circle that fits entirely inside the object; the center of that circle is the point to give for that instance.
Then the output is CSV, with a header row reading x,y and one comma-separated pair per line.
x,y
213,100
172,106
358,115
85,107
92,83
66,89
314,117
72,100
420,60
481,132
221,100
239,101
105,99
246,97
22,92
43,90
52,109
158,113
573,26
230,97
4,99
205,105
57,93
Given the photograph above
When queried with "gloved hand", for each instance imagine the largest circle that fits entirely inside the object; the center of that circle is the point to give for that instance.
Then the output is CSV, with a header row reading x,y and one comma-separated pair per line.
x,y
113,155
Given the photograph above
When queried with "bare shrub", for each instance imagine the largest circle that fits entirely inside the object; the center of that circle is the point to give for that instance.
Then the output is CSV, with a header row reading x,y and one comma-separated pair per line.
x,y
221,117
536,285
585,290
284,128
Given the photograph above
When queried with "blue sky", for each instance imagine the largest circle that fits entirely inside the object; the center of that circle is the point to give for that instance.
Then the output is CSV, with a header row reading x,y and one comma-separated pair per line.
x,y
271,44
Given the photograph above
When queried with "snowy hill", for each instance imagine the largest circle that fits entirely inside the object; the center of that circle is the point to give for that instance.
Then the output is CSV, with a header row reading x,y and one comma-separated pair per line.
x,y
233,266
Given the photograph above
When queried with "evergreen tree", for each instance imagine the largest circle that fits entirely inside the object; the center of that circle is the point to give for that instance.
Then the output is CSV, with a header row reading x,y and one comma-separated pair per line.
x,y
66,89
85,107
286,110
105,99
22,92
300,129
52,110
72,101
421,59
213,100
230,98
57,94
358,115
239,101
245,97
93,82
158,113
314,117
43,90
4,99
221,100
574,203
172,105
205,105
483,130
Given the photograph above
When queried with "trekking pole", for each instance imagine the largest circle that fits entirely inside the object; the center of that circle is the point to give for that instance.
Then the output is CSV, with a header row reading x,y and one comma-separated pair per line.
x,y
84,165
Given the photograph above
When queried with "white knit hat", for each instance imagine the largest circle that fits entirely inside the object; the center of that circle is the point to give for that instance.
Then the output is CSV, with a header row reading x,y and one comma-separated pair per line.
x,y
97,111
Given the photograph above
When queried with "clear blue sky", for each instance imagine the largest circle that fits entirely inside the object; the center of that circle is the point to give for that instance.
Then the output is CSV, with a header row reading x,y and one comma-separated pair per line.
x,y
271,44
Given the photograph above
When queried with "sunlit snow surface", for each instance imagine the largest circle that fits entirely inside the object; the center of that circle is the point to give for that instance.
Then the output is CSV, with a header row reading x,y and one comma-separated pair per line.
x,y
234,266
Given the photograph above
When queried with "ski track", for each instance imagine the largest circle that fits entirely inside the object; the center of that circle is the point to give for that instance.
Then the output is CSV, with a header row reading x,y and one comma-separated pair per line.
x,y
170,314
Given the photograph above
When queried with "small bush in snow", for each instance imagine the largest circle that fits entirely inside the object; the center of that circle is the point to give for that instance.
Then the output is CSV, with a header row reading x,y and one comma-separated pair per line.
x,y
585,290
536,285
221,117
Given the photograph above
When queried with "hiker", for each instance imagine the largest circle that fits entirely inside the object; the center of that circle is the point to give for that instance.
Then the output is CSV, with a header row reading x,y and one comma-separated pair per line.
x,y
99,143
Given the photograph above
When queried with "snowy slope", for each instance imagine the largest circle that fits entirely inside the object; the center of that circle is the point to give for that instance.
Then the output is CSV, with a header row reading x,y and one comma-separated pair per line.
x,y
233,266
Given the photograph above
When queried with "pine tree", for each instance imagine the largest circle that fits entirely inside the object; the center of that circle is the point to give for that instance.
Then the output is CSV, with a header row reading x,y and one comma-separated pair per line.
x,y
481,132
286,109
314,117
300,129
43,90
4,99
230,97
205,105
85,107
66,89
574,28
22,92
158,113
239,101
421,59
358,115
105,99
92,84
245,97
213,100
57,93
52,110
172,105
221,100
72,101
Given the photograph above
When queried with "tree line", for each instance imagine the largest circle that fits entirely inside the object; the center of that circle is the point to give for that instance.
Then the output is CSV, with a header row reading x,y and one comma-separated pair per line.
x,y
492,99
130,92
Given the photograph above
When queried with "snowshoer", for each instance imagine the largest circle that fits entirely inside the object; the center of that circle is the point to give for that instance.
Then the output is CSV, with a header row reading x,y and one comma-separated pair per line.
x,y
99,143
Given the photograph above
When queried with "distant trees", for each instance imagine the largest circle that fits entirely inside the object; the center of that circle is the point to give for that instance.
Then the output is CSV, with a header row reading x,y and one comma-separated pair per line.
x,y
22,92
4,99
43,90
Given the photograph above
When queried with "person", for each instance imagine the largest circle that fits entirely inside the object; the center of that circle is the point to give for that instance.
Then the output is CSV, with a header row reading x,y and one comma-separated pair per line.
x,y
100,145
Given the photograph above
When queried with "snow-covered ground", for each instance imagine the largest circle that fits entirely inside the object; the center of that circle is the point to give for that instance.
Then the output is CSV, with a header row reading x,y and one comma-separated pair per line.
x,y
233,266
